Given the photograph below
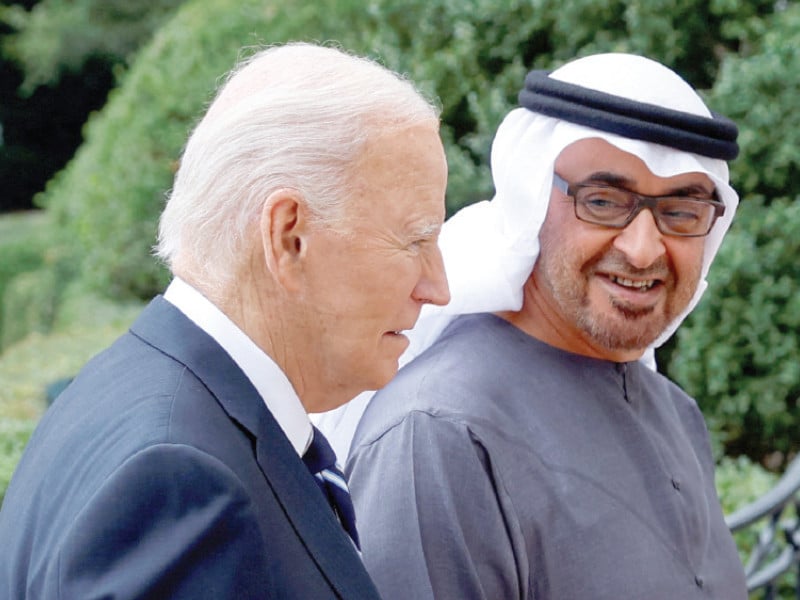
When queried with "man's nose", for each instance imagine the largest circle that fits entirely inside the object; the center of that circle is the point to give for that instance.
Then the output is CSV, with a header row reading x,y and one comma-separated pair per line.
x,y
432,287
641,241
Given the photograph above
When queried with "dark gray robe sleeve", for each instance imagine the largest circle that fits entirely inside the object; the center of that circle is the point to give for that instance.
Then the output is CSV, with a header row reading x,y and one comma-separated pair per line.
x,y
434,518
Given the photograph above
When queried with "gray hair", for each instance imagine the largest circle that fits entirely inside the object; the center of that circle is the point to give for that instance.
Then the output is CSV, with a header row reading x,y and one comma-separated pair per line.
x,y
292,116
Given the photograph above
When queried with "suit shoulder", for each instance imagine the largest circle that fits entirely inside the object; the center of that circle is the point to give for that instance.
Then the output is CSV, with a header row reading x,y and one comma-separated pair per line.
x,y
161,501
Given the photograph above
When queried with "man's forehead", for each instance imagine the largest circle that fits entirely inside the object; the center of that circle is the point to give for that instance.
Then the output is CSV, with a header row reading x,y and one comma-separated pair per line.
x,y
599,159
596,153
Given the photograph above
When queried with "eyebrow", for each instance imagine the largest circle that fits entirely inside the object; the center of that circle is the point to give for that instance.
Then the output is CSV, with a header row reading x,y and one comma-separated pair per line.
x,y
432,228
626,183
426,230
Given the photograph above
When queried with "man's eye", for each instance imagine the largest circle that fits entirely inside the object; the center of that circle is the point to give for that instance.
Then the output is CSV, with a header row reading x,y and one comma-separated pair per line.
x,y
682,215
599,202
684,211
602,201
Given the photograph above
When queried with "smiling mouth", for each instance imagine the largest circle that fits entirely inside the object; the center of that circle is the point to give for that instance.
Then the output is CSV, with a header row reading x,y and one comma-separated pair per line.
x,y
641,285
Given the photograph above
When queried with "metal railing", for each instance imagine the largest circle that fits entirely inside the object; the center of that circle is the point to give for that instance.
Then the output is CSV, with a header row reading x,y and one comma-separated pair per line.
x,y
777,549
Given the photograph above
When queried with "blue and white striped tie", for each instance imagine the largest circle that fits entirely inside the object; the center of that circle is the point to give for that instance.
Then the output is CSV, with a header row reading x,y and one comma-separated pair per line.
x,y
321,461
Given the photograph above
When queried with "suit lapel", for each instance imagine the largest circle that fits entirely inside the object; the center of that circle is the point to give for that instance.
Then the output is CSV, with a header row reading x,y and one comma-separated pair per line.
x,y
169,330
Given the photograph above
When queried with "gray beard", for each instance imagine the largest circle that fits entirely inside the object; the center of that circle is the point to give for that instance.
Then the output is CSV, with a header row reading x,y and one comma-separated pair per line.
x,y
614,335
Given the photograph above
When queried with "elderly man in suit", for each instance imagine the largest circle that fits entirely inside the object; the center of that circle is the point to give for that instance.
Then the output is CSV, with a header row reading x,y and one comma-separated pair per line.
x,y
302,235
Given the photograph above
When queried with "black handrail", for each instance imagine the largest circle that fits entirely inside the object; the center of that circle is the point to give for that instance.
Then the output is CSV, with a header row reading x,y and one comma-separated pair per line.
x,y
777,550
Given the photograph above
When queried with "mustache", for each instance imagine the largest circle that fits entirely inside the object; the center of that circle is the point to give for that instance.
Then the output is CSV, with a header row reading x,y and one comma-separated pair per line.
x,y
615,262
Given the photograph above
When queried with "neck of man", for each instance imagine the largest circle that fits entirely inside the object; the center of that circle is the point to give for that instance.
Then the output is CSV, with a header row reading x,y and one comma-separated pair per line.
x,y
268,315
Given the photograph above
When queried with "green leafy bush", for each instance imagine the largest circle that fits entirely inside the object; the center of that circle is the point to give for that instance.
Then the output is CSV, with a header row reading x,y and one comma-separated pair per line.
x,y
46,44
34,273
756,88
740,482
472,54
739,352
23,240
14,434
29,305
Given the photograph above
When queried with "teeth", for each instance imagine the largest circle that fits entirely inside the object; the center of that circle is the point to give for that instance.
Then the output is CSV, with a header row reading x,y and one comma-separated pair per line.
x,y
642,285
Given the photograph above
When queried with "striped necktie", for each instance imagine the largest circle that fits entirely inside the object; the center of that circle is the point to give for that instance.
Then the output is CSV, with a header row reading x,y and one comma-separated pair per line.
x,y
321,461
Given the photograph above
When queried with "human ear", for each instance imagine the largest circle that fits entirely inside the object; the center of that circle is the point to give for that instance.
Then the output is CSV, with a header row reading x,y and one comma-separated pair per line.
x,y
284,234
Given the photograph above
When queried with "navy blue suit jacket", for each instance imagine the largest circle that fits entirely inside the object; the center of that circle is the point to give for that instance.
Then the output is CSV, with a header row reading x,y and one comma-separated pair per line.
x,y
160,473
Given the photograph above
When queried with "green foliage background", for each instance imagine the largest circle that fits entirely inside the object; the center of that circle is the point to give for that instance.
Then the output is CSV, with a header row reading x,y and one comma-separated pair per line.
x,y
473,55
23,241
73,276
49,46
737,353
750,384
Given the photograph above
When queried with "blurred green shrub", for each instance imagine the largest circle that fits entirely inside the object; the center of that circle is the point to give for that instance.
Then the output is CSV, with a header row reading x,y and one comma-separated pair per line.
x,y
24,238
29,304
739,351
472,54
756,88
34,273
740,482
14,434
46,44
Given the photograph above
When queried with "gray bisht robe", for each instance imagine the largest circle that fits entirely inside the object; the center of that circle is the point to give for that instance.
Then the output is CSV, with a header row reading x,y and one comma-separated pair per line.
x,y
495,466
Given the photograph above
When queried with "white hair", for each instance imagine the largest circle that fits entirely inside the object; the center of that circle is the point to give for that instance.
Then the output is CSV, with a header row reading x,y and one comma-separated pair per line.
x,y
292,116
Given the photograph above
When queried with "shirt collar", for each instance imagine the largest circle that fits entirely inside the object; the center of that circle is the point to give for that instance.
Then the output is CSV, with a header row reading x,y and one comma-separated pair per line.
x,y
271,383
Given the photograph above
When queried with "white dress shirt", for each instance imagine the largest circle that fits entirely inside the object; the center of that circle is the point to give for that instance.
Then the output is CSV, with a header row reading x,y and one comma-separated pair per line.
x,y
266,376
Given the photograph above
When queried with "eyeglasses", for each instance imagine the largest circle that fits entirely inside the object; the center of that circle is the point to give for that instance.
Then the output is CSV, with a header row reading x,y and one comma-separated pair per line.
x,y
599,204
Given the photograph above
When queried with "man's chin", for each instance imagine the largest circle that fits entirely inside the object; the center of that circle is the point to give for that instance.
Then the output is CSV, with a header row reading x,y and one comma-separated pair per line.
x,y
628,334
382,378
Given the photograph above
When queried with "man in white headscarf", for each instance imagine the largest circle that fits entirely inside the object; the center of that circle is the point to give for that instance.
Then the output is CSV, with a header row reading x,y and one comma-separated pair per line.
x,y
530,450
